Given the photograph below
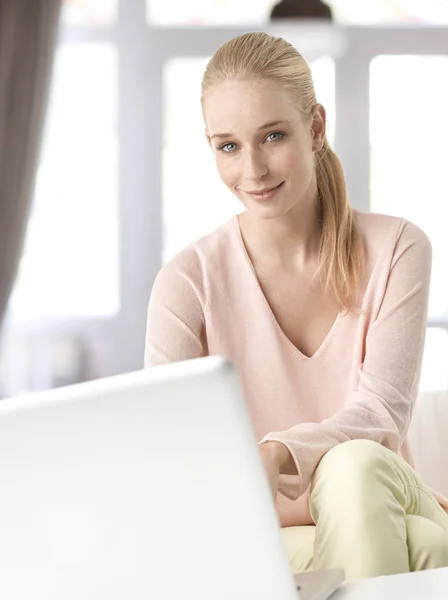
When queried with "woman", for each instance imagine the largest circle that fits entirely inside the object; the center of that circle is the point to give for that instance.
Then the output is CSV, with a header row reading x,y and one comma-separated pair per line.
x,y
323,311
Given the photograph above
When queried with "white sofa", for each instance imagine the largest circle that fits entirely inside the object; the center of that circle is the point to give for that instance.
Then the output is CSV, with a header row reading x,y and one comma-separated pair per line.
x,y
429,439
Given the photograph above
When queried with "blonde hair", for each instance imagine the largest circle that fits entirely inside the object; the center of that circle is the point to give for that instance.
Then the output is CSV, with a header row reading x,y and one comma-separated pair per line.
x,y
258,55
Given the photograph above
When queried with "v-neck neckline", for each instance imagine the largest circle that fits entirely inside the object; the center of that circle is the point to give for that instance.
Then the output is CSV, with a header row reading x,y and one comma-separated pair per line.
x,y
286,339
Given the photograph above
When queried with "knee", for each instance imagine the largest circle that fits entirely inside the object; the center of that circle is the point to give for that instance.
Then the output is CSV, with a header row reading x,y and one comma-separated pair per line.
x,y
350,466
345,475
355,456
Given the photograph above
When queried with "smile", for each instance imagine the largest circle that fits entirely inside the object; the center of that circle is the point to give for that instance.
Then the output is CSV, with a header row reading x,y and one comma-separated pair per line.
x,y
266,194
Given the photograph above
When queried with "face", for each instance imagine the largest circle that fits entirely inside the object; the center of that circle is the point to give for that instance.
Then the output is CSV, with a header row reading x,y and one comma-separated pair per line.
x,y
264,147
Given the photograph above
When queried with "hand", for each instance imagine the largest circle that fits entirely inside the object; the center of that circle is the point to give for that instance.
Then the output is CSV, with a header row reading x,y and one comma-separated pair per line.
x,y
276,459
271,461
275,456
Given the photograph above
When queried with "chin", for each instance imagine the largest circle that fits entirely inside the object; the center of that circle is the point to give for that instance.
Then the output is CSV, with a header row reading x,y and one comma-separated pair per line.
x,y
268,211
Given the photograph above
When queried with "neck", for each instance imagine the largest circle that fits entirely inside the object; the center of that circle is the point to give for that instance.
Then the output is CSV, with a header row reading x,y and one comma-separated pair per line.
x,y
290,240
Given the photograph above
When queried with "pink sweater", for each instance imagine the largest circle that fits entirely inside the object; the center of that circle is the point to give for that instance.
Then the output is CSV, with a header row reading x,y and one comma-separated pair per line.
x,y
361,383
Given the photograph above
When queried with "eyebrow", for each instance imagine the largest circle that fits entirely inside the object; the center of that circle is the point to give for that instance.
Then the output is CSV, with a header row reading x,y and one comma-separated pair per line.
x,y
265,126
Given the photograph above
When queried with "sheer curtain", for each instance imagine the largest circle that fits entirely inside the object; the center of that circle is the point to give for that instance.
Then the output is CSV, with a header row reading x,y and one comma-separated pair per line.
x,y
27,40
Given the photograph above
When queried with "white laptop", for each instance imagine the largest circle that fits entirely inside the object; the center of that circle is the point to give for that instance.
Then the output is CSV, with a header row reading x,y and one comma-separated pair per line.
x,y
142,486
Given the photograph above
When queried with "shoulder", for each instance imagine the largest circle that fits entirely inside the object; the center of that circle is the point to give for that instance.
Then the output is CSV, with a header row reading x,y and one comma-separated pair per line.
x,y
197,261
387,234
398,262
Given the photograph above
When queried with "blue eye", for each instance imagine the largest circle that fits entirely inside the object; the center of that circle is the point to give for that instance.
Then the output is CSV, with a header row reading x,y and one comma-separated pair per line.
x,y
226,146
279,133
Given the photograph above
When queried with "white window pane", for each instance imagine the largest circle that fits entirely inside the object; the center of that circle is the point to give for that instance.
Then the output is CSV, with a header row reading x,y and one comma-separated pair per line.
x,y
434,375
208,12
323,71
408,133
255,12
389,11
89,12
195,201
429,11
70,261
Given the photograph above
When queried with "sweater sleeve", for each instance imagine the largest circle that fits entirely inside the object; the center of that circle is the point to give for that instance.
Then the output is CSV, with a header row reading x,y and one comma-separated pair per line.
x,y
380,409
175,329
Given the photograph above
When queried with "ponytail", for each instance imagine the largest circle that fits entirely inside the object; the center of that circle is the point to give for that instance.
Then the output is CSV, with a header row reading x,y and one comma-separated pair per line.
x,y
341,250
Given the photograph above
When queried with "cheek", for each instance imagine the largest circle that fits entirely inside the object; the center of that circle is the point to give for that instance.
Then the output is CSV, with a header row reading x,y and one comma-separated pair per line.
x,y
227,170
299,165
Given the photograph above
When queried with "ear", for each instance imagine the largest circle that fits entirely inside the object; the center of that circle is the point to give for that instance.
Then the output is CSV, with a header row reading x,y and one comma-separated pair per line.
x,y
207,135
318,127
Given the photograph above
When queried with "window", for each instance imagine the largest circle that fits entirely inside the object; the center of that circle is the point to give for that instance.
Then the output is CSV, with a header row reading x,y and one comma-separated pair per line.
x,y
89,12
434,376
408,152
194,199
208,12
70,261
256,12
80,301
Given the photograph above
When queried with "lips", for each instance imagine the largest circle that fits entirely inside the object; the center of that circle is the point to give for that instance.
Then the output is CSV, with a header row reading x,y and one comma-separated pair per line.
x,y
266,196
263,192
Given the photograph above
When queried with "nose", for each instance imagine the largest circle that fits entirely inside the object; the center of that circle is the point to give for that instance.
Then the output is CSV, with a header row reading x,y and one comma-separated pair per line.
x,y
255,166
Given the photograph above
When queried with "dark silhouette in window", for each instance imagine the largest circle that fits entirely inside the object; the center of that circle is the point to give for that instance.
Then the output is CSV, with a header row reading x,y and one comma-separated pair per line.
x,y
301,9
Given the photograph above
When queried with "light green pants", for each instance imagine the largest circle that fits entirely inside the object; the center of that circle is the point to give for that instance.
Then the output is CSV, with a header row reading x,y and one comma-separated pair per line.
x,y
373,515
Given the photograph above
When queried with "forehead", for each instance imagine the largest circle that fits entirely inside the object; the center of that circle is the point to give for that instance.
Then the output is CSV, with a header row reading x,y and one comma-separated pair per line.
x,y
233,105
